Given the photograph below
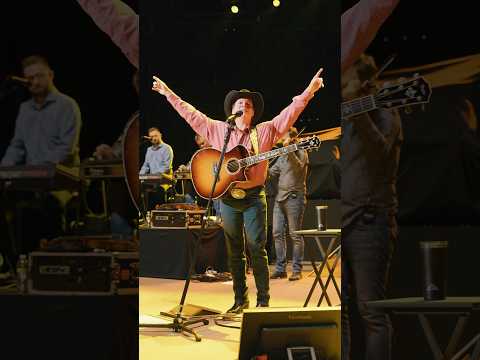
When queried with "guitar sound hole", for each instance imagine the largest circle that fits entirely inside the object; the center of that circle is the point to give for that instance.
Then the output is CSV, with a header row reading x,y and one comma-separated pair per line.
x,y
233,166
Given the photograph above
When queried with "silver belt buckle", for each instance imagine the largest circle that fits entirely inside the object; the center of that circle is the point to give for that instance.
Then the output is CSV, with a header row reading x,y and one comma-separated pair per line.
x,y
238,193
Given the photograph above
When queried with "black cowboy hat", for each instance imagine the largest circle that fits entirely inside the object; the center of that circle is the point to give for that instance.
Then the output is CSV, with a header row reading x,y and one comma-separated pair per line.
x,y
256,98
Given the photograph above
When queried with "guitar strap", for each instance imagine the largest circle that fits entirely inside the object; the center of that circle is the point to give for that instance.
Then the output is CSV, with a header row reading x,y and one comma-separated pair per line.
x,y
254,139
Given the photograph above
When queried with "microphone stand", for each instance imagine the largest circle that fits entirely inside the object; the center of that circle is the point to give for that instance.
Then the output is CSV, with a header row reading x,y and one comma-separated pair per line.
x,y
180,322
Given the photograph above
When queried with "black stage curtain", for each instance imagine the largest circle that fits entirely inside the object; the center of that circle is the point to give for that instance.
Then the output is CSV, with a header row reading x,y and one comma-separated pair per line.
x,y
166,253
439,175
323,178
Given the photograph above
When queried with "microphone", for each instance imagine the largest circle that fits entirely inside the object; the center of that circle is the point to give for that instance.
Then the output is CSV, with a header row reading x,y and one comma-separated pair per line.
x,y
232,117
18,79
147,137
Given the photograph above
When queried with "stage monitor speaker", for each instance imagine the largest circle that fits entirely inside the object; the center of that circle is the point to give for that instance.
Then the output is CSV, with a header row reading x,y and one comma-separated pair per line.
x,y
272,331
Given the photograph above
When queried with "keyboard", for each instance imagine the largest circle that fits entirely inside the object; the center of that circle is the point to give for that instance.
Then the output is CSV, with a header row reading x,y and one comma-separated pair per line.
x,y
40,177
102,169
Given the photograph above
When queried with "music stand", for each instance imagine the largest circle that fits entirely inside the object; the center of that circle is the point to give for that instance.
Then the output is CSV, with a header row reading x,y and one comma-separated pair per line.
x,y
180,321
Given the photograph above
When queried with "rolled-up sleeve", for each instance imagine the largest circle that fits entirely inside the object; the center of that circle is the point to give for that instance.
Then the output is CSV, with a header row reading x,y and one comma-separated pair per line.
x,y
70,122
166,160
146,166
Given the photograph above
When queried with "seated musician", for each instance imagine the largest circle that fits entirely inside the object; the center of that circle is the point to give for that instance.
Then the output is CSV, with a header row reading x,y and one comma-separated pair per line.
x,y
158,161
47,131
48,125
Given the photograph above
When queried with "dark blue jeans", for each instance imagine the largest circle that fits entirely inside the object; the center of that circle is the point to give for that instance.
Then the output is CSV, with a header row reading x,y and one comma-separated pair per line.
x,y
250,214
288,212
367,248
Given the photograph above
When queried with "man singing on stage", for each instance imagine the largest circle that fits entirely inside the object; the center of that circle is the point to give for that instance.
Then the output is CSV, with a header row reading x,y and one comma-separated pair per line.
x,y
248,208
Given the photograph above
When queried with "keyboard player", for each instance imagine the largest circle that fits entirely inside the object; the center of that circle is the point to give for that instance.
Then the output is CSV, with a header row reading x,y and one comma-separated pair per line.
x,y
157,166
47,132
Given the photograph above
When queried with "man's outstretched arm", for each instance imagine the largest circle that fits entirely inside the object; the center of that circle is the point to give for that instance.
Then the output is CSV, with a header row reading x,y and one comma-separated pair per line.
x,y
200,123
119,22
360,25
287,117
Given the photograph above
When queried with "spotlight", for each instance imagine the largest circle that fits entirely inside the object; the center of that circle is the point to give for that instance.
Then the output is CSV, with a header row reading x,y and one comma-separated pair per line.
x,y
276,3
234,9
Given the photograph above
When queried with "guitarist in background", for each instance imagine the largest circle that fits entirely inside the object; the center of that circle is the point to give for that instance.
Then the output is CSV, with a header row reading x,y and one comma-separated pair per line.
x,y
370,154
245,205
291,171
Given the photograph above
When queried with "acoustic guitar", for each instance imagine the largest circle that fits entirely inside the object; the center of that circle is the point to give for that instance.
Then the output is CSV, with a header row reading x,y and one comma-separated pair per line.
x,y
205,162
390,96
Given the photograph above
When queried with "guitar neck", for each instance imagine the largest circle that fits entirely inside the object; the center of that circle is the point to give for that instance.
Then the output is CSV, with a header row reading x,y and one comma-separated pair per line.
x,y
358,106
255,159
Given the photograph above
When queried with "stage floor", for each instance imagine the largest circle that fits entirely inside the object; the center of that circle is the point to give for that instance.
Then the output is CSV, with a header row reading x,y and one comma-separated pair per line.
x,y
217,342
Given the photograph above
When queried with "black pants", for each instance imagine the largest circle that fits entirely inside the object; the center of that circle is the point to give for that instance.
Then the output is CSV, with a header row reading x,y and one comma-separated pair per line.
x,y
367,248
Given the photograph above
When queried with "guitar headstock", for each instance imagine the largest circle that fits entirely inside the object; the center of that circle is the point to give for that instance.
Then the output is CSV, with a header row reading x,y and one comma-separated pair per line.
x,y
410,92
309,143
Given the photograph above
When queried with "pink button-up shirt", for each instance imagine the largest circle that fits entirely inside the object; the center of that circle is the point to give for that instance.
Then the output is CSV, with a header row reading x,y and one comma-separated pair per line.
x,y
268,132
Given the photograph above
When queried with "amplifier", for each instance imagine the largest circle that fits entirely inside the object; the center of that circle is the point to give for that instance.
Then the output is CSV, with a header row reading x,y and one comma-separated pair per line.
x,y
176,219
82,273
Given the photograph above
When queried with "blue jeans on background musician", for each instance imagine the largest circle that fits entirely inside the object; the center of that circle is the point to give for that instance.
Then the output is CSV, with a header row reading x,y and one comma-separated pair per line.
x,y
249,213
288,212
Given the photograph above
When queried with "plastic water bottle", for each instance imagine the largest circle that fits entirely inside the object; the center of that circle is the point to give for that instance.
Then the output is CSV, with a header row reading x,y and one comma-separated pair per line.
x,y
22,268
148,217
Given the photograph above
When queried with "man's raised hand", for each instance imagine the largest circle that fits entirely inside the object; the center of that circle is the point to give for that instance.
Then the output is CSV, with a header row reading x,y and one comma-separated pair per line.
x,y
159,86
317,82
